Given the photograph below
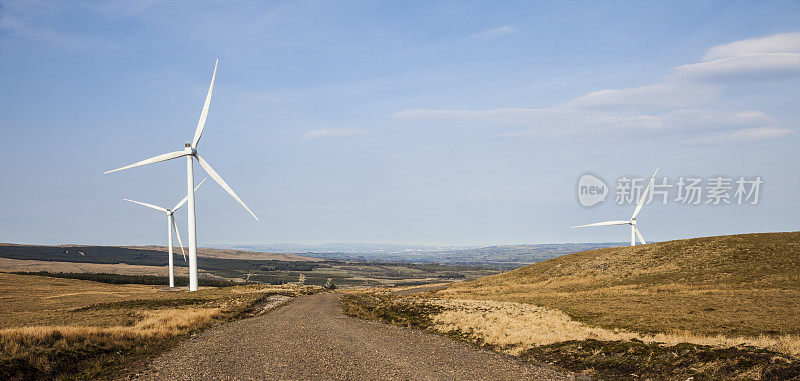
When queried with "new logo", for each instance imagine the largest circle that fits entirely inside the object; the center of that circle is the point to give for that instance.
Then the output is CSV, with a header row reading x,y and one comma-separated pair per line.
x,y
591,190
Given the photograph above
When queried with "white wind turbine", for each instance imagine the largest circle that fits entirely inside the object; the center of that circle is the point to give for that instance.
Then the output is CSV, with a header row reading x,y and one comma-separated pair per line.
x,y
170,225
190,151
632,222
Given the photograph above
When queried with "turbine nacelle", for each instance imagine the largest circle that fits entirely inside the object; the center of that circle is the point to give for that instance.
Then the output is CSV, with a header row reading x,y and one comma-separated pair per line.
x,y
632,221
189,150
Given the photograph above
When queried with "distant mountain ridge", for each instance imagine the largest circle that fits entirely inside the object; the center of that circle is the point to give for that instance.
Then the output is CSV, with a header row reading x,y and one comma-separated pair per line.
x,y
337,247
524,254
104,253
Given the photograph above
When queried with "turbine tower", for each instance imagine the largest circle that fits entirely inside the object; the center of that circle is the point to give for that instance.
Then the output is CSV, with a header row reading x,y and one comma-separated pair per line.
x,y
190,151
170,225
632,221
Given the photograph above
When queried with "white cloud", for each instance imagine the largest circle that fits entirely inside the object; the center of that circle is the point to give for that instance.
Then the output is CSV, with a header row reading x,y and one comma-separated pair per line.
x,y
741,136
771,57
561,121
697,120
549,121
334,133
664,95
776,43
765,66
499,31
671,106
504,116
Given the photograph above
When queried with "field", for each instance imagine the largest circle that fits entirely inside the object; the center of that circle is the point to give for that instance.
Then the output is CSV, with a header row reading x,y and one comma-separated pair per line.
x,y
710,308
716,307
97,310
731,285
232,265
51,327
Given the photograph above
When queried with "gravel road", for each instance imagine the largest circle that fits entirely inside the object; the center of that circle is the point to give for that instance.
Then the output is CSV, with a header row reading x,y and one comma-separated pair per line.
x,y
310,338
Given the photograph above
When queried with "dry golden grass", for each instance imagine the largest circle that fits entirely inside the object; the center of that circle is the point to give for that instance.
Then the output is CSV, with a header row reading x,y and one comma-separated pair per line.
x,y
47,351
54,326
152,324
737,286
547,335
517,327
33,300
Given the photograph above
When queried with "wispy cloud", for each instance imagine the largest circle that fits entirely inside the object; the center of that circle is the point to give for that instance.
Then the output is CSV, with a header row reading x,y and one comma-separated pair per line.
x,y
499,31
23,28
665,95
334,133
561,121
672,105
754,67
28,21
776,43
772,57
741,136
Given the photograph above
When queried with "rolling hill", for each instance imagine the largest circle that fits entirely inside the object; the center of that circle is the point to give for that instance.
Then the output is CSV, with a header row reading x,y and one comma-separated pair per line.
x,y
733,285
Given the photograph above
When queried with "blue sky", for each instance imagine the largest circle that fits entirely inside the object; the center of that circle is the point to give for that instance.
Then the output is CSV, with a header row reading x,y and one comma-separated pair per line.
x,y
409,122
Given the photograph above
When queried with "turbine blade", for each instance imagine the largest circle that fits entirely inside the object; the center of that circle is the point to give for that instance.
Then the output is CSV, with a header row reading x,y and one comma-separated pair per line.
x,y
154,159
178,234
607,223
214,175
644,195
180,204
641,239
204,114
147,205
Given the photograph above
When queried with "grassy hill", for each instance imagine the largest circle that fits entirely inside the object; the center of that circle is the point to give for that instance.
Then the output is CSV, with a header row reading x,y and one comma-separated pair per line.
x,y
734,285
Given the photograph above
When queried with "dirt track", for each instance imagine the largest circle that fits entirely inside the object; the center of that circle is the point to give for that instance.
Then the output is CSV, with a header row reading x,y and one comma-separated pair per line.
x,y
310,338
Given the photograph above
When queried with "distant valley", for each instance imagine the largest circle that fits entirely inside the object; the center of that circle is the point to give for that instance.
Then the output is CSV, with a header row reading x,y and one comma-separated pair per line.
x,y
502,254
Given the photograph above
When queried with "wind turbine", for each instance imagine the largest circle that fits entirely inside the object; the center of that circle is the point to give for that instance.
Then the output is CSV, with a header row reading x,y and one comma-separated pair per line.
x,y
632,222
190,151
170,225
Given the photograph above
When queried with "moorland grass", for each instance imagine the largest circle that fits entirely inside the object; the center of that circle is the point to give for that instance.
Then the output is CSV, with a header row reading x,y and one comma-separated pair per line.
x,y
709,308
56,328
739,285
549,336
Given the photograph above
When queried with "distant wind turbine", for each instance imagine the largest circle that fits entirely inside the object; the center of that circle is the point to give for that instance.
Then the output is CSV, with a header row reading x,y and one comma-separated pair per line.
x,y
632,222
190,151
170,225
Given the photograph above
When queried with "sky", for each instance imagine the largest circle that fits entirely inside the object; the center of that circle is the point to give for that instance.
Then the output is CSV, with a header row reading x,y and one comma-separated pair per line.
x,y
429,122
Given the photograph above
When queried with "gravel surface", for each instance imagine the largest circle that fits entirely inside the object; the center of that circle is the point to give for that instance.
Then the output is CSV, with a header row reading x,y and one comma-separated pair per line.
x,y
310,338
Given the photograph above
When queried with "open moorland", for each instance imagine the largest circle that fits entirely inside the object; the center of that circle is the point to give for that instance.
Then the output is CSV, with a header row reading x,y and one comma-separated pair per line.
x,y
51,327
732,285
232,266
708,308
715,307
